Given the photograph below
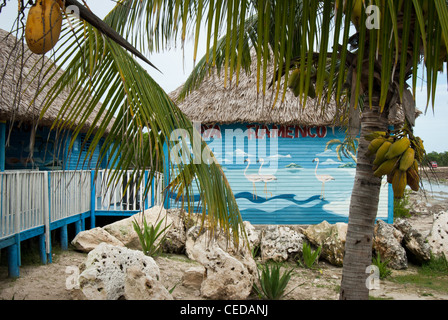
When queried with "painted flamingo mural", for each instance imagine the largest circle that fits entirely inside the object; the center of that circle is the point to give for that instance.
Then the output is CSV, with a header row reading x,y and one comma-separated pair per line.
x,y
322,178
252,178
265,178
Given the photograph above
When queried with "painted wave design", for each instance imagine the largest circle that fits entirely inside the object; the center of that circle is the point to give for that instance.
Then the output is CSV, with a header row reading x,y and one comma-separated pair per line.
x,y
291,215
289,197
298,211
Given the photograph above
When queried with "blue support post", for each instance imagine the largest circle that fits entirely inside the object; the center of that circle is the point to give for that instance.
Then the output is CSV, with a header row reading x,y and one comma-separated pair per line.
x,y
152,192
92,199
390,200
166,176
13,260
390,215
78,226
146,194
42,249
64,237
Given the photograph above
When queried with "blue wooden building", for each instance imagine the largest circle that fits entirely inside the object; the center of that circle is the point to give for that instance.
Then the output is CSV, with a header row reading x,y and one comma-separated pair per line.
x,y
28,143
287,164
44,184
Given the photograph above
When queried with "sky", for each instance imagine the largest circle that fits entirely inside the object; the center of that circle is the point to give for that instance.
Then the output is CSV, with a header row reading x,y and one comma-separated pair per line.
x,y
176,64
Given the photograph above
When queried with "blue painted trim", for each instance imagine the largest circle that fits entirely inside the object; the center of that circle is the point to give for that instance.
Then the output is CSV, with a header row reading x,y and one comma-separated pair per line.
x,y
152,192
2,145
66,150
146,194
6,242
390,216
117,213
31,233
60,223
166,176
92,199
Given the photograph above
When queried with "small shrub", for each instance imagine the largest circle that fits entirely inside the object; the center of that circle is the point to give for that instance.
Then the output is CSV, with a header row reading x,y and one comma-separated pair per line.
x,y
272,282
309,256
149,236
382,266
401,209
255,250
436,265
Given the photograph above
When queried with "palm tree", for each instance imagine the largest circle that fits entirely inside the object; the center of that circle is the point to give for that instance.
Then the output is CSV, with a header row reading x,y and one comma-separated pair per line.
x,y
364,69
346,148
97,66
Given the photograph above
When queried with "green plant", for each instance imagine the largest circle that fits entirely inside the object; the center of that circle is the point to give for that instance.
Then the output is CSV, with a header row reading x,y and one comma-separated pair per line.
x,y
436,265
255,250
309,256
382,266
401,209
151,238
272,281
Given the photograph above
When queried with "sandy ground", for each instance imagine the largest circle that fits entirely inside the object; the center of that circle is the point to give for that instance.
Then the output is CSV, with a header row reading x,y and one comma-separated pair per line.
x,y
50,282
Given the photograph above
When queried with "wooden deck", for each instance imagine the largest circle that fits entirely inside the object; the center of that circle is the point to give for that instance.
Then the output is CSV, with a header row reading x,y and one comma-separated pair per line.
x,y
33,203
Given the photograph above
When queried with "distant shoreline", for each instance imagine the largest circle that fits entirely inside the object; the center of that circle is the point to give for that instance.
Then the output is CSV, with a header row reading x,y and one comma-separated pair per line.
x,y
440,172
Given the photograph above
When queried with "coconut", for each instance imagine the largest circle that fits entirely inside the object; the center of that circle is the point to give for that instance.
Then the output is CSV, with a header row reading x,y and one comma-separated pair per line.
x,y
43,26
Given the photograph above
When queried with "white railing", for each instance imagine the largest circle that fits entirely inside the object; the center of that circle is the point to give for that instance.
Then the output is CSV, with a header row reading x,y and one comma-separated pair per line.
x,y
124,194
30,199
23,201
70,193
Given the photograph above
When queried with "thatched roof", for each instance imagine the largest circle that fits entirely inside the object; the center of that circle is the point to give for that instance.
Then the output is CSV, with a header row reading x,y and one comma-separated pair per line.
x,y
20,104
213,103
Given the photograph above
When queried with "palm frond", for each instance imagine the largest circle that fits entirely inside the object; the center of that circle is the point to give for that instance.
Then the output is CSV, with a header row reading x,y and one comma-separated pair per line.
x,y
100,71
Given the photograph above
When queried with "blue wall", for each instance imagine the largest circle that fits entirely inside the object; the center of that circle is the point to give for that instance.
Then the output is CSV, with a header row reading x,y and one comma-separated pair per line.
x,y
292,192
49,152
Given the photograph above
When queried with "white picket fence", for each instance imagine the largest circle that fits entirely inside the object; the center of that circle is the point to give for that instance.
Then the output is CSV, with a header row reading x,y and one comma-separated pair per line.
x,y
70,193
30,199
24,201
125,194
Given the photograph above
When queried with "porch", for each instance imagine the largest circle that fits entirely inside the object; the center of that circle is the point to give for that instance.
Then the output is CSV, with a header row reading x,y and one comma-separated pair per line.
x,y
34,203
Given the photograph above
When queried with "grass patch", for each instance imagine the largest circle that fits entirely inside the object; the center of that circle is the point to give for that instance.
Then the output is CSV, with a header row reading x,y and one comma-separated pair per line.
x,y
435,266
380,298
427,282
432,275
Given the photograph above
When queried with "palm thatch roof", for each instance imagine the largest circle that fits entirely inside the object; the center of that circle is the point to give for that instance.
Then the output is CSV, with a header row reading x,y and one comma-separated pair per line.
x,y
22,76
213,103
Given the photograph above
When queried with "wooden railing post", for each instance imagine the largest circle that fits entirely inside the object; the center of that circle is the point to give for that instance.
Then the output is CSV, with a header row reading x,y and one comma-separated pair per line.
x,y
47,213
166,176
92,199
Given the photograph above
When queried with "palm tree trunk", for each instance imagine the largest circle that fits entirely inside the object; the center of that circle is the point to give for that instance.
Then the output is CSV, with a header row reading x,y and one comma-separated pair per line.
x,y
363,211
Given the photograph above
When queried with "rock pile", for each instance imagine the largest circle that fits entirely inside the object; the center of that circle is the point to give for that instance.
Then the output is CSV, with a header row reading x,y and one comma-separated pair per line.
x,y
113,273
116,268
